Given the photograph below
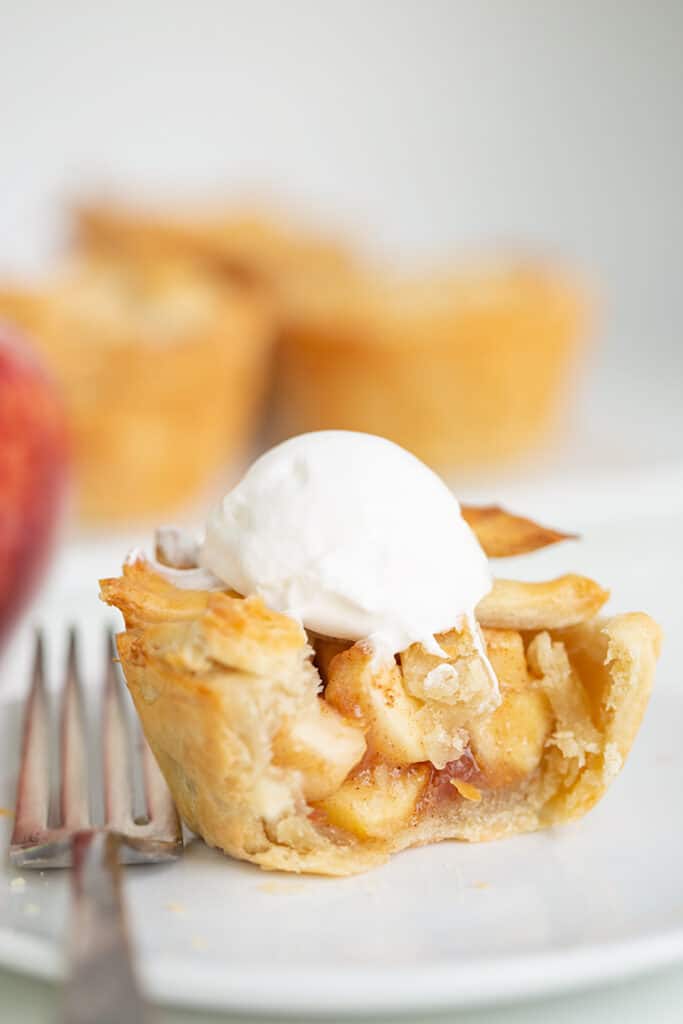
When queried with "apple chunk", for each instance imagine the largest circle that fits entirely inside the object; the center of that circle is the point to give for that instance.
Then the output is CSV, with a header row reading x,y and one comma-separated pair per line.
x,y
508,744
375,694
505,650
322,745
377,804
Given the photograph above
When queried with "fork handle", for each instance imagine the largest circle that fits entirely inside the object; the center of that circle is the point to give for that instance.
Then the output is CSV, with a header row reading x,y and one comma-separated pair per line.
x,y
101,986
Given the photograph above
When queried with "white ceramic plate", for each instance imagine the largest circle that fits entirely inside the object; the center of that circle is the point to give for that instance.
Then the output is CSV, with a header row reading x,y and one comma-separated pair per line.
x,y
438,927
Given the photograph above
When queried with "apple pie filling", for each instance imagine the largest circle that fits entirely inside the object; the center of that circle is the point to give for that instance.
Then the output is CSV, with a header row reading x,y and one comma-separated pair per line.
x,y
392,742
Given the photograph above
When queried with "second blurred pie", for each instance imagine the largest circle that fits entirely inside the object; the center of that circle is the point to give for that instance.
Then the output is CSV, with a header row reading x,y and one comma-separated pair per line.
x,y
462,369
163,368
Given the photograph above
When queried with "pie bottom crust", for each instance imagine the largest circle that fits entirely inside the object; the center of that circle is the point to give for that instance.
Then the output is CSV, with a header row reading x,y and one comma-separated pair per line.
x,y
213,676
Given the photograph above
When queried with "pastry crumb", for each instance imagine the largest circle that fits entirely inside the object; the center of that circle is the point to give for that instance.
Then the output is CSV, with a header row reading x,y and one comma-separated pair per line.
x,y
198,943
275,887
18,883
175,908
32,910
482,885
6,812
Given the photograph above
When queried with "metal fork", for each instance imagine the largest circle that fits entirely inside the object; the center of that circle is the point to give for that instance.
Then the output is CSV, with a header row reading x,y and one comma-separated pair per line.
x,y
101,986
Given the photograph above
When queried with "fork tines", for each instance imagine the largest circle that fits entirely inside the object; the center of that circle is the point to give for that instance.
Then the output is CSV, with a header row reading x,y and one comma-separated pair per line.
x,y
37,841
73,798
33,792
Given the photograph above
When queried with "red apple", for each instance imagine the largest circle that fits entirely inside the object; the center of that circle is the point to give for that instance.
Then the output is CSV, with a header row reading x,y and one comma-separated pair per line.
x,y
33,472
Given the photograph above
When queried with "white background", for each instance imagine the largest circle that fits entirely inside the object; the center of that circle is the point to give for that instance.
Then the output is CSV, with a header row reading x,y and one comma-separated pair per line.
x,y
428,125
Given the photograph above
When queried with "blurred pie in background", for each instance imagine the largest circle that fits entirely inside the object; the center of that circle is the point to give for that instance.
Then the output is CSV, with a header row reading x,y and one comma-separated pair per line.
x,y
464,368
162,366
251,243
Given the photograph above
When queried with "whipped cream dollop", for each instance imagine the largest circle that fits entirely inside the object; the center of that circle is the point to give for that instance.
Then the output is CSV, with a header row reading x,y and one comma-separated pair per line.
x,y
352,536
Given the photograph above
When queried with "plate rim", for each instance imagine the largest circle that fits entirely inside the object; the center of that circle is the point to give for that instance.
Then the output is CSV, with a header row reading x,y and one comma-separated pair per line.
x,y
486,982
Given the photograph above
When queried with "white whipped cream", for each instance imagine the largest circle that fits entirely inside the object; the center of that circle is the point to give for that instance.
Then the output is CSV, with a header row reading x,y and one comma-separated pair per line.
x,y
353,537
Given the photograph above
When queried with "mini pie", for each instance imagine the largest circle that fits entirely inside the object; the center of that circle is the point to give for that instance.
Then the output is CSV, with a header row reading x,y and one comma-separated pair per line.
x,y
462,369
302,753
263,247
163,369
